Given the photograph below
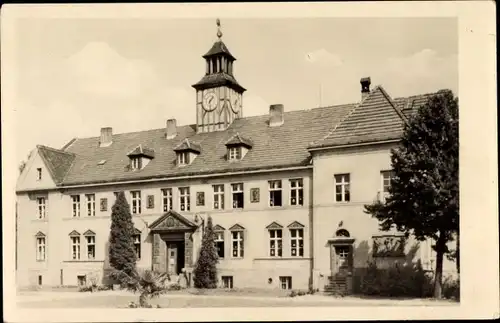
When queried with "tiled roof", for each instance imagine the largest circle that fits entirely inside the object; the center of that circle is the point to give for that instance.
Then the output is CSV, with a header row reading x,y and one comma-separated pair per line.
x,y
218,48
377,118
188,145
58,162
142,151
237,140
218,79
273,147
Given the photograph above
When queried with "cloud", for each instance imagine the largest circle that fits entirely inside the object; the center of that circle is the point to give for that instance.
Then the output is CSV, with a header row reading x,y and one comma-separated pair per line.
x,y
324,57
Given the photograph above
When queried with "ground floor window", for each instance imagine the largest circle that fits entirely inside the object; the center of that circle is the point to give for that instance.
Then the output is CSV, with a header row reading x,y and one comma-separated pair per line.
x,y
82,280
40,280
286,282
227,281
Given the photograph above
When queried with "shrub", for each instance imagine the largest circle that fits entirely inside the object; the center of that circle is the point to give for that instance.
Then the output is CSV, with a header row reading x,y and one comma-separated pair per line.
x,y
147,283
451,288
301,293
84,289
293,293
205,272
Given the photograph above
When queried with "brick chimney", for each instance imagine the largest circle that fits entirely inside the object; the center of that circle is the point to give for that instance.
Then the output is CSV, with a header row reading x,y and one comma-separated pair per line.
x,y
106,137
365,87
276,115
171,128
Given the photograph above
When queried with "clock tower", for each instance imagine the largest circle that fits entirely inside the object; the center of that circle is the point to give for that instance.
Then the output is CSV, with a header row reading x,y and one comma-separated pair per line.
x,y
218,94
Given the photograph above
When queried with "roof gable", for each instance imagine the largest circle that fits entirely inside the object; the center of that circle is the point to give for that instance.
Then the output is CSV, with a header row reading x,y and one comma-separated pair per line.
x,y
172,221
238,140
274,226
58,162
295,225
142,151
237,227
188,145
376,118
74,233
218,228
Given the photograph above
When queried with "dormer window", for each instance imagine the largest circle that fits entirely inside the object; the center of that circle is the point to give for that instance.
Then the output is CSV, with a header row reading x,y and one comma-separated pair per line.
x,y
183,158
187,151
140,156
237,147
234,153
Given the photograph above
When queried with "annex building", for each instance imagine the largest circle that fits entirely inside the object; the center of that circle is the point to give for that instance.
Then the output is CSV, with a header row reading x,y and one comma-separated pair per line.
x,y
286,191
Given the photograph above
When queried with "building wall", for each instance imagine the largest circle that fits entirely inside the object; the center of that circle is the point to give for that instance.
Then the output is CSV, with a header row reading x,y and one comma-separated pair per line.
x,y
364,166
253,218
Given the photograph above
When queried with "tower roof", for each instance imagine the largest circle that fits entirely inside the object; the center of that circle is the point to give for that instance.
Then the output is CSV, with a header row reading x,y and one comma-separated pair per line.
x,y
219,48
218,79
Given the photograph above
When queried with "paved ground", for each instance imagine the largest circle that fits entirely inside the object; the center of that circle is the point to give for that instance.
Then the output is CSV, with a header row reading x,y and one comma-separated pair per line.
x,y
120,299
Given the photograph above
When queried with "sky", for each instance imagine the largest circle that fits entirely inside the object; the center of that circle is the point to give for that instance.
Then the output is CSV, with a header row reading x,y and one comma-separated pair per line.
x,y
75,76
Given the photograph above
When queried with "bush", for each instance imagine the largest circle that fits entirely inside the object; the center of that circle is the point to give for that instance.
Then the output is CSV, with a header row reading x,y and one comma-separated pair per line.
x,y
396,281
175,286
84,289
293,293
301,293
451,288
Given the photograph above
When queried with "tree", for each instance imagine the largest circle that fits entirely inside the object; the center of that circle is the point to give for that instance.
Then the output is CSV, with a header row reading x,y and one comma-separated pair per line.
x,y
424,194
205,272
122,255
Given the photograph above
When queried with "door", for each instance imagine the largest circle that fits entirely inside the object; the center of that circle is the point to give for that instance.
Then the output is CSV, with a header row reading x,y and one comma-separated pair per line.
x,y
342,259
172,262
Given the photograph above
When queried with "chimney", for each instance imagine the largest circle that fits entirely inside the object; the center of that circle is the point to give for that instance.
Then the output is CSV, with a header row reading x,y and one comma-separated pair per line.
x,y
171,128
106,137
276,115
365,87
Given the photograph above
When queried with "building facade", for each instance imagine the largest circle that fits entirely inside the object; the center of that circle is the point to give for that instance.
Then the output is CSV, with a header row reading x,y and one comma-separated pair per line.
x,y
286,192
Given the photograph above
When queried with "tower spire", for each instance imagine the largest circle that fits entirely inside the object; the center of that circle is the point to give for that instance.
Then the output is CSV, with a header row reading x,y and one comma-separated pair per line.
x,y
219,32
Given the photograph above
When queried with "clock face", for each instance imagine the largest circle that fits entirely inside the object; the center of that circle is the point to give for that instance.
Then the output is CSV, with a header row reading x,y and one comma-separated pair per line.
x,y
210,101
235,104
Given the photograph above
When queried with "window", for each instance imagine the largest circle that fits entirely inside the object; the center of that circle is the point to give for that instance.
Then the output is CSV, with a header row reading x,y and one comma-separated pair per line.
x,y
104,204
40,248
296,192
276,243
90,247
137,245
136,202
237,244
41,203
237,195
218,197
167,199
40,280
38,174
136,163
183,158
82,280
227,281
286,282
90,204
184,199
297,242
386,180
234,153
342,188
275,193
75,247
219,243
76,205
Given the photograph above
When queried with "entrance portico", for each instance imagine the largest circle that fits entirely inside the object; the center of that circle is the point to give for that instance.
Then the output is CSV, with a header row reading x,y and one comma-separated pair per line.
x,y
172,243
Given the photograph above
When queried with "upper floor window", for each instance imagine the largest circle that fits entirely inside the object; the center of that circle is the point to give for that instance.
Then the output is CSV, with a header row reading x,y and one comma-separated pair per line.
x,y
90,204
167,199
237,190
40,248
276,243
218,197
342,189
75,201
386,177
183,158
136,163
234,153
136,202
184,199
275,193
38,174
297,242
296,192
41,204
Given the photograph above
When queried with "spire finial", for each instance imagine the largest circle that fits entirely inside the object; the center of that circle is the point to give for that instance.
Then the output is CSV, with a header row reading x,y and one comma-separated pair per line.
x,y
219,32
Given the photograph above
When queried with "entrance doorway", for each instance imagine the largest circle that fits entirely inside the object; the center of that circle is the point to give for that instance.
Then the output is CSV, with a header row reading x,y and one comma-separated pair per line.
x,y
343,256
175,257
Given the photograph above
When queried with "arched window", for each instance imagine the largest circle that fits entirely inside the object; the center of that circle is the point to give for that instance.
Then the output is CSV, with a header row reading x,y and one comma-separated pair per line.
x,y
342,233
